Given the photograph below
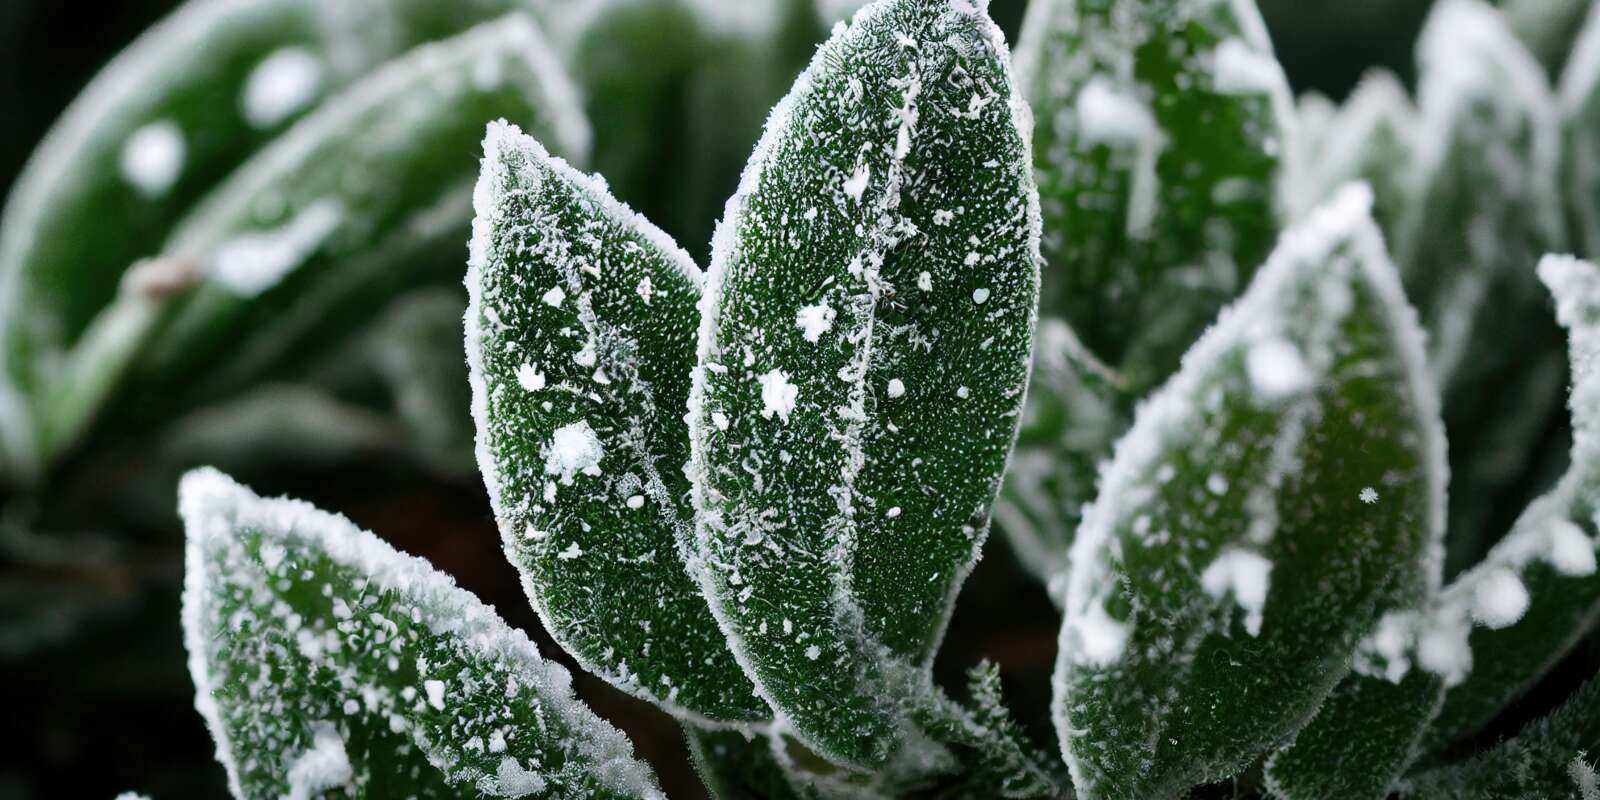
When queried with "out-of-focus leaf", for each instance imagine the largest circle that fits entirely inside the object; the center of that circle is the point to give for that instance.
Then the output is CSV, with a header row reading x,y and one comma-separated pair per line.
x,y
318,231
580,337
738,765
1368,138
1161,129
1282,488
325,661
1547,27
863,354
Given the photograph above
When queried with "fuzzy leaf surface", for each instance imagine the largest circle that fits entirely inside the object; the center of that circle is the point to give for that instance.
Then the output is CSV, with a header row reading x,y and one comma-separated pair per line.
x,y
1160,135
1267,502
1366,734
581,338
863,358
1500,626
157,129
325,662
1551,757
1487,206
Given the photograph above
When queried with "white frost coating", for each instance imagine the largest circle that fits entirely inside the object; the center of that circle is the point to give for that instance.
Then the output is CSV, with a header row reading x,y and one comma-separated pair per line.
x,y
1277,370
1499,599
1584,777
856,184
1241,69
284,83
516,781
435,692
323,767
152,158
813,321
1368,495
254,262
1245,576
778,395
1096,639
1570,550
529,377
214,508
1444,649
897,388
555,297
573,449
1107,115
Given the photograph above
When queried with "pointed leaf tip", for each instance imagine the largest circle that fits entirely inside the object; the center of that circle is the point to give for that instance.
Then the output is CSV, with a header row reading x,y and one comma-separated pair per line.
x,y
325,660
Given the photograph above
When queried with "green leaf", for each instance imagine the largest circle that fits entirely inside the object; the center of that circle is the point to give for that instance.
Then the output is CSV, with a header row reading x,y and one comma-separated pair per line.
x,y
1547,27
1076,410
308,240
416,348
580,338
1159,141
1363,738
325,661
998,759
736,765
1487,207
1551,757
863,356
1500,626
158,128
1369,138
1275,494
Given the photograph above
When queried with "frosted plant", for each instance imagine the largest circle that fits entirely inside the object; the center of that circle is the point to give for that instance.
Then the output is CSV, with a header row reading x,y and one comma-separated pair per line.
x,y
1248,383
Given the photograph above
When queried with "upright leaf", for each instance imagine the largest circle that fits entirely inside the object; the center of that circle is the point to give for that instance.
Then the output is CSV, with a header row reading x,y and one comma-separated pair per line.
x,y
1500,626
1580,120
1486,207
313,235
157,129
1551,757
1076,410
865,335
1268,500
738,765
1160,137
580,338
1547,27
1370,138
326,662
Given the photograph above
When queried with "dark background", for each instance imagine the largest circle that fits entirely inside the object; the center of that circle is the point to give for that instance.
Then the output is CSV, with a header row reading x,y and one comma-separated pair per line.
x,y
115,713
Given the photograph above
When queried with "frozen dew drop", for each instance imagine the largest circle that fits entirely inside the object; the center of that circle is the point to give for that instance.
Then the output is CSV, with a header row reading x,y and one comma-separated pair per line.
x,y
152,158
282,84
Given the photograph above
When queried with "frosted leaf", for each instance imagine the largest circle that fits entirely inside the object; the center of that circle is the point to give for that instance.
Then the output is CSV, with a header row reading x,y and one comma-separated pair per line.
x,y
325,661
1486,206
1537,593
62,254
352,205
792,502
1549,29
1542,760
1370,137
1076,410
564,454
1235,605
1580,112
1161,131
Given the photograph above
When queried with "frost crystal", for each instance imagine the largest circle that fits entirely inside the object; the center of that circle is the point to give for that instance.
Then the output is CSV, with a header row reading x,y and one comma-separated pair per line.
x,y
284,83
152,158
778,395
1245,576
573,449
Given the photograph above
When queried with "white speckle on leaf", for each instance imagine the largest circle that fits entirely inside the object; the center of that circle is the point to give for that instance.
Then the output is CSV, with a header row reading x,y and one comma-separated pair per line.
x,y
1443,649
324,766
1570,550
778,395
1368,495
980,296
1244,575
925,281
152,158
856,184
963,392
893,512
1098,640
1499,599
529,377
897,388
813,652
435,692
636,502
815,320
645,290
283,83
1277,370
574,550
573,449
1216,484
555,297
1242,70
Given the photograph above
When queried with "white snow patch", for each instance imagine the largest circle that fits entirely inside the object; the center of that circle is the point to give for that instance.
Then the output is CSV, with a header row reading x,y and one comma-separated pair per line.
x,y
1244,575
574,448
323,767
1277,369
1368,495
529,377
1107,115
152,158
1444,649
778,395
813,652
1241,69
897,388
636,502
283,83
856,185
925,281
516,781
435,692
1098,640
254,262
980,296
555,297
1570,550
1499,599
813,321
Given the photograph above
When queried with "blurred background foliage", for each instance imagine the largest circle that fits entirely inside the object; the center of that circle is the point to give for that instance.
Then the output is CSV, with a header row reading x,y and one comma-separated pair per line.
x,y
92,676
